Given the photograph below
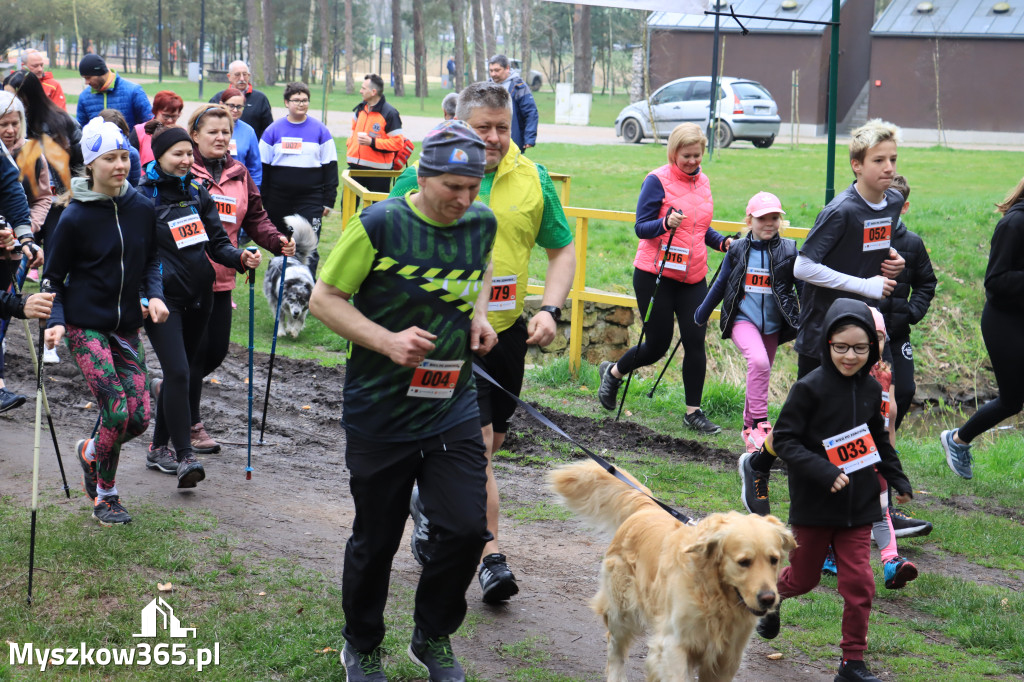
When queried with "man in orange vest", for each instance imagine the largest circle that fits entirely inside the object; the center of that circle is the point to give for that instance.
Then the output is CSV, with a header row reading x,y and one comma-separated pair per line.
x,y
376,134
34,63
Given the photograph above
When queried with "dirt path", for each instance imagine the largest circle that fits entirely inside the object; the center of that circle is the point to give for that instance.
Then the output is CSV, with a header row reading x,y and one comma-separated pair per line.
x,y
556,561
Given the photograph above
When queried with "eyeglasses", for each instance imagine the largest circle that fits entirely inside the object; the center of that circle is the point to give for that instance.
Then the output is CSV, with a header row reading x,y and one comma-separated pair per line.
x,y
843,348
300,102
235,107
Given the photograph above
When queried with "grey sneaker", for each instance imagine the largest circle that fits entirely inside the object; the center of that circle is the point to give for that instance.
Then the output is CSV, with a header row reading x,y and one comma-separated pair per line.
x,y
755,487
420,528
161,458
109,512
437,657
958,457
608,391
699,422
360,667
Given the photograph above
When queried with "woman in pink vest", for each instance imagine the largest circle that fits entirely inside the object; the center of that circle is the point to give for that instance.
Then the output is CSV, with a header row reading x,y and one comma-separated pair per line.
x,y
167,107
239,206
675,206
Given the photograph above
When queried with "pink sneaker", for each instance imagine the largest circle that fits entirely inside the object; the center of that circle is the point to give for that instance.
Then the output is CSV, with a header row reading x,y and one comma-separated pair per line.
x,y
758,435
746,440
33,275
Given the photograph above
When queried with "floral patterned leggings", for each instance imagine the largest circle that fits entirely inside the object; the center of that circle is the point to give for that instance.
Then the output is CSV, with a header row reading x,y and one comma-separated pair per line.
x,y
114,366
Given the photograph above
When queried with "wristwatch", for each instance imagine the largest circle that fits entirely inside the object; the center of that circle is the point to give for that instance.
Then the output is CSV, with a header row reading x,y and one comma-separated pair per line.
x,y
554,310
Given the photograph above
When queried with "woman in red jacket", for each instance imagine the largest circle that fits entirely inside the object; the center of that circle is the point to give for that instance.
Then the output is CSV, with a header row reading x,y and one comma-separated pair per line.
x,y
240,207
675,205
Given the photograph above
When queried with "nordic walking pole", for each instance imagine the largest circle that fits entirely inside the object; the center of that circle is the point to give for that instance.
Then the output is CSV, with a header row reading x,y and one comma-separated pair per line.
x,y
273,344
650,307
251,274
650,393
35,455
18,281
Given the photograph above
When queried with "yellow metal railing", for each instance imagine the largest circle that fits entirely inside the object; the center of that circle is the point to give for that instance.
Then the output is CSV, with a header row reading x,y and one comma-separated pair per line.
x,y
579,294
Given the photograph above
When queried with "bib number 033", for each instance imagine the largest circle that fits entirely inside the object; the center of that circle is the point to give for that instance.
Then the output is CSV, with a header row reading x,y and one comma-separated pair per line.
x,y
852,450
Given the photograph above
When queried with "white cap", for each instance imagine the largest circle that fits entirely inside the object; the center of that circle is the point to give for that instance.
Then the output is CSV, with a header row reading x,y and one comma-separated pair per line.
x,y
100,137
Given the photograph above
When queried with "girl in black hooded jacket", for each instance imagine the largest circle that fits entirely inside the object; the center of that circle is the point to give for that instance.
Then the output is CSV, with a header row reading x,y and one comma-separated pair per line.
x,y
830,432
188,229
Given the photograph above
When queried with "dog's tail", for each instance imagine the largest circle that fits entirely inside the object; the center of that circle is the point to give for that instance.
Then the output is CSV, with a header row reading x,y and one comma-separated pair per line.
x,y
305,237
600,498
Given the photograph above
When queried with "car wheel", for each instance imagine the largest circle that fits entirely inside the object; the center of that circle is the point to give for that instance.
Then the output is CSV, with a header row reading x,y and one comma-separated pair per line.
x,y
764,142
631,131
536,83
723,135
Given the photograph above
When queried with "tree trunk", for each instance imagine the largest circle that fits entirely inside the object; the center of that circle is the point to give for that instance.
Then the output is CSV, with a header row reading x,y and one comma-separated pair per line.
x,y
307,48
397,68
349,68
583,65
326,44
524,47
490,44
479,42
456,8
419,48
256,51
269,46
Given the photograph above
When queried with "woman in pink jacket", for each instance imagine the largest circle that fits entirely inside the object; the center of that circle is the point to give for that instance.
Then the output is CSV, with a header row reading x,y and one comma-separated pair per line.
x,y
675,205
240,207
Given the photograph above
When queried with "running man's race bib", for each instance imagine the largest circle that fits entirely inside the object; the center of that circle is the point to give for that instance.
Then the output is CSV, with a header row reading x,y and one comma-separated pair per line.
x,y
227,208
877,234
758,281
678,258
291,145
435,379
503,293
852,450
188,231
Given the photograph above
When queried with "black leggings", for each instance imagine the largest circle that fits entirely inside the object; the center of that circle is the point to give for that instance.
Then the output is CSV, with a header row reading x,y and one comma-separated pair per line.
x,y
176,343
902,376
8,270
679,299
213,348
1004,337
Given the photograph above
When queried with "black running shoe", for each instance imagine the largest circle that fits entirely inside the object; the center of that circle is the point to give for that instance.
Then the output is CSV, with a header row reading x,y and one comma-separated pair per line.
x,y
698,421
162,459
360,667
437,657
88,470
9,400
755,487
608,391
854,671
906,526
190,471
768,626
496,580
109,512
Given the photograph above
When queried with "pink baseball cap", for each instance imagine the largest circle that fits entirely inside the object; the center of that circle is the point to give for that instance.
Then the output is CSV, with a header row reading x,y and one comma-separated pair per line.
x,y
879,320
764,203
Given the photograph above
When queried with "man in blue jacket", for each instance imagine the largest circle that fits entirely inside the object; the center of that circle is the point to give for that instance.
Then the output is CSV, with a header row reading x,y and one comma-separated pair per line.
x,y
106,90
524,109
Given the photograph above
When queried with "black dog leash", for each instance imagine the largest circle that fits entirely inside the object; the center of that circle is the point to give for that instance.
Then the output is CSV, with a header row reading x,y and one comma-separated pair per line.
x,y
605,464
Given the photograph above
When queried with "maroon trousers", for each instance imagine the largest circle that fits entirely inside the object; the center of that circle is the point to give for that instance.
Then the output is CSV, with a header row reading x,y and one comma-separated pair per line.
x,y
856,581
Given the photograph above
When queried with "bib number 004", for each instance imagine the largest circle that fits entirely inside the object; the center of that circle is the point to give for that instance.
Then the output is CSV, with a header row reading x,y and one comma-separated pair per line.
x,y
435,379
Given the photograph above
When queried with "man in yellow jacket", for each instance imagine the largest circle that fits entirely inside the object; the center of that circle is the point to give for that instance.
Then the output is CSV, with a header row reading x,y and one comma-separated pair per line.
x,y
526,204
376,134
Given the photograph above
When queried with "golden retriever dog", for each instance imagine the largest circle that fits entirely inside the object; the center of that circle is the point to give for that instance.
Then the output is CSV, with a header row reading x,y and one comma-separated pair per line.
x,y
697,590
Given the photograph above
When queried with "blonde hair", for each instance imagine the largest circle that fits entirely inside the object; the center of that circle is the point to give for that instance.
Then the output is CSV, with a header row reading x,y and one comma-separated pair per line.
x,y
683,135
874,132
211,111
1012,198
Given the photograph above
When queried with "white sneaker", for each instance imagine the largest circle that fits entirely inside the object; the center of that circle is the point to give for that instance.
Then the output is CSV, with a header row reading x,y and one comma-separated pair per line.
x,y
50,356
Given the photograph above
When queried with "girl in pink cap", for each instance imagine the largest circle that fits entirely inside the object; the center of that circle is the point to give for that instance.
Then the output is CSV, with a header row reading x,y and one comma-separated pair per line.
x,y
760,305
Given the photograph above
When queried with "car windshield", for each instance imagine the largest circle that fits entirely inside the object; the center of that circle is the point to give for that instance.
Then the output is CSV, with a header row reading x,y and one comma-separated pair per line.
x,y
750,90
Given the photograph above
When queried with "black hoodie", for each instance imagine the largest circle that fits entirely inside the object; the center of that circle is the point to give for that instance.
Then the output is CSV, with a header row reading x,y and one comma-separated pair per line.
x,y
1004,276
824,404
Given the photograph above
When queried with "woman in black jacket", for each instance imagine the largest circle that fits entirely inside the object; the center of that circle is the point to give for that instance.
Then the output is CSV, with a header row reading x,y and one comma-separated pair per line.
x,y
188,229
830,432
1002,326
101,260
